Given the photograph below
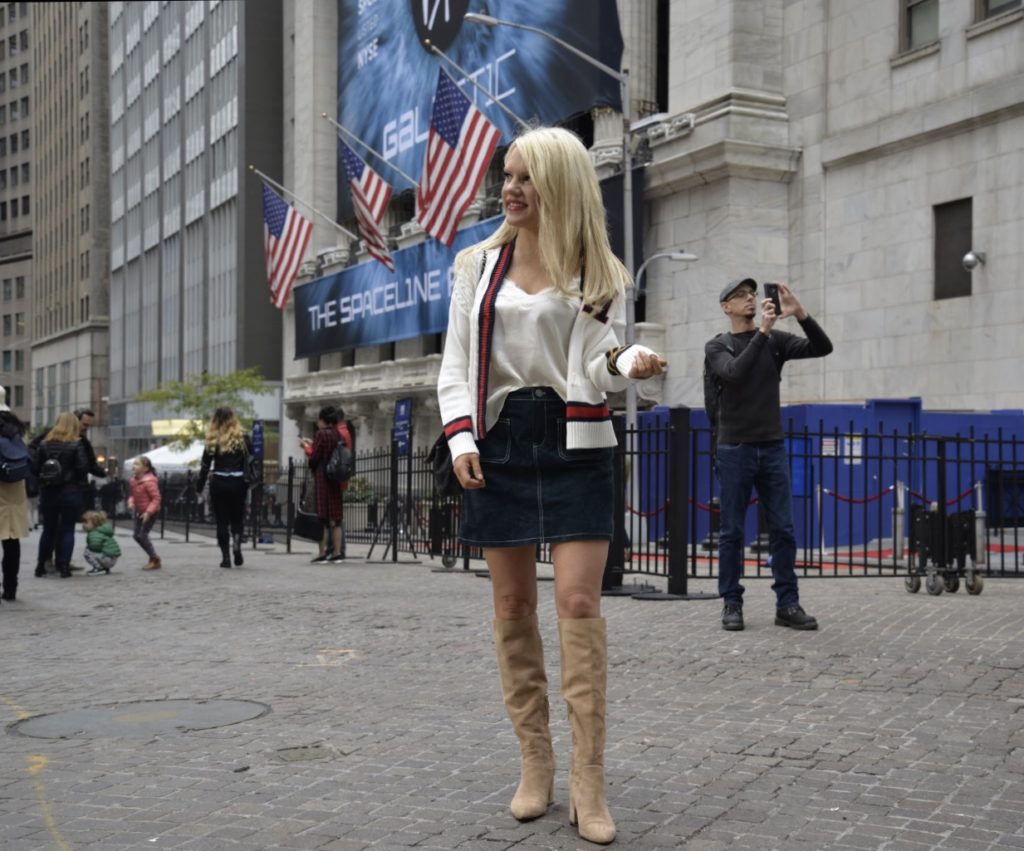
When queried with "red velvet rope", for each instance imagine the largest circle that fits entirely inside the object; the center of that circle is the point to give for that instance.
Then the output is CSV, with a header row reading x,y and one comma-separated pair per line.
x,y
952,501
859,500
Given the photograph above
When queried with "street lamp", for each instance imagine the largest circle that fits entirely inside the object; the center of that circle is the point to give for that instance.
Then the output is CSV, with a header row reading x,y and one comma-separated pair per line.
x,y
678,256
627,170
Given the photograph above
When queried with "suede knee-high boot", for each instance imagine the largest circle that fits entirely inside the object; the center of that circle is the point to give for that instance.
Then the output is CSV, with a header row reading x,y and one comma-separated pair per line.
x,y
524,686
584,686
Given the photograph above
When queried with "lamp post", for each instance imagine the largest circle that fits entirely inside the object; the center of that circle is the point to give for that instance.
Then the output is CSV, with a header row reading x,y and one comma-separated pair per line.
x,y
627,169
677,255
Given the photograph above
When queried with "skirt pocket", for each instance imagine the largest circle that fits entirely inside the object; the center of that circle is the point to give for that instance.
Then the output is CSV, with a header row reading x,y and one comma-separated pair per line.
x,y
496,447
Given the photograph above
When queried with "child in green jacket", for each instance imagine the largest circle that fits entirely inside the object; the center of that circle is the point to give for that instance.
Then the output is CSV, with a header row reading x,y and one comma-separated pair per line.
x,y
101,547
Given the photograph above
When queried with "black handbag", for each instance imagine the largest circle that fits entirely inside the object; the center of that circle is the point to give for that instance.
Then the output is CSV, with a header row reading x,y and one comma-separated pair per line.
x,y
440,462
307,526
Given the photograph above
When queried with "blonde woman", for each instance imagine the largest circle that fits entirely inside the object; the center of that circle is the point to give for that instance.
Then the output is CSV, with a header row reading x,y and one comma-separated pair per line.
x,y
61,465
532,348
227,448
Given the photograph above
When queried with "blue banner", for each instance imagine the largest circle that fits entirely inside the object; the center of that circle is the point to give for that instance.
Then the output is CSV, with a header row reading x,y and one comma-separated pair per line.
x,y
366,304
387,77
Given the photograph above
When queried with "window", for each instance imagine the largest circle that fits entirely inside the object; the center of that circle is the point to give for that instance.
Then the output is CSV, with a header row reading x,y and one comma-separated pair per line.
x,y
3,76
24,205
24,140
25,172
3,211
3,115
23,39
8,289
919,23
14,110
19,323
991,8
12,45
19,394
13,74
14,176
19,359
24,107
14,208
8,360
953,224
14,143
24,73
19,287
12,11
8,324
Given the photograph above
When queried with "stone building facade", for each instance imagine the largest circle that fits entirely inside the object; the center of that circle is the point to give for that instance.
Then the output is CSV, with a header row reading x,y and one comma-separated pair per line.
x,y
856,150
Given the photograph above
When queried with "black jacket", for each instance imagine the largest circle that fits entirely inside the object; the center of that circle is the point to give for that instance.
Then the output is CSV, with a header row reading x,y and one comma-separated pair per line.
x,y
223,462
73,459
750,367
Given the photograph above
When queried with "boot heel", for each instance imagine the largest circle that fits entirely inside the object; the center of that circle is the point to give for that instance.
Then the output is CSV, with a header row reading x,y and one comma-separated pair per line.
x,y
572,812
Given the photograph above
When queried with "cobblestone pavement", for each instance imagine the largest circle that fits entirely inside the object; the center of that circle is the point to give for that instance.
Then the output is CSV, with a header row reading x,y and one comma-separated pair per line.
x,y
898,726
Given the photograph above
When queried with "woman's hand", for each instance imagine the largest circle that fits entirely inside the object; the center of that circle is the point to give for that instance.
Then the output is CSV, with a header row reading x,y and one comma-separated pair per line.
x,y
468,472
647,366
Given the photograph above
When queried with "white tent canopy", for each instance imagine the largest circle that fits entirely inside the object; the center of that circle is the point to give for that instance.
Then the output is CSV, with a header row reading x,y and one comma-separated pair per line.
x,y
168,459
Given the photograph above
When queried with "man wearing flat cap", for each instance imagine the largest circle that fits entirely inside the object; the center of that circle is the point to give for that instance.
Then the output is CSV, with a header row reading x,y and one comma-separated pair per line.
x,y
745,365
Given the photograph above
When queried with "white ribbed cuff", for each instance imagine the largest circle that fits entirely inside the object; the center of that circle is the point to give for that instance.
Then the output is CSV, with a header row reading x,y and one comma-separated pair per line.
x,y
462,444
624,362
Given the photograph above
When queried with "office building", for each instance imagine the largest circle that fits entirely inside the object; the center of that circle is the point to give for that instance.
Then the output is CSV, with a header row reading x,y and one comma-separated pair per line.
x,y
71,233
195,94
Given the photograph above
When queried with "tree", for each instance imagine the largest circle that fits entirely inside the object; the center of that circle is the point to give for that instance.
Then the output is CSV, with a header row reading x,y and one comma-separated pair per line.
x,y
196,398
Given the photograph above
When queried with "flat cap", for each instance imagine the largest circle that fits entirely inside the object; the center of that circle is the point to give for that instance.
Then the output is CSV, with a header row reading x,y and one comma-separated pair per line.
x,y
732,286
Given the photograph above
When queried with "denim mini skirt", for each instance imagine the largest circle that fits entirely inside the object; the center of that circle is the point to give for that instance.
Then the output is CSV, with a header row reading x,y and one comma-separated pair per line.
x,y
536,490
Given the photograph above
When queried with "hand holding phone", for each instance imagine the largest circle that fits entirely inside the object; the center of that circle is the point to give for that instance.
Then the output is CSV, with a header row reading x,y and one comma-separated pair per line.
x,y
771,290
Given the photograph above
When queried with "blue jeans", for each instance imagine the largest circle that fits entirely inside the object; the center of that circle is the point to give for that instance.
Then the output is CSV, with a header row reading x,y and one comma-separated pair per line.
x,y
764,466
60,509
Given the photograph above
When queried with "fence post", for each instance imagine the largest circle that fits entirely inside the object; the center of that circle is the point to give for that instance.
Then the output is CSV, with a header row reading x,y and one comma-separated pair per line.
x,y
677,520
163,507
615,563
393,502
189,502
289,510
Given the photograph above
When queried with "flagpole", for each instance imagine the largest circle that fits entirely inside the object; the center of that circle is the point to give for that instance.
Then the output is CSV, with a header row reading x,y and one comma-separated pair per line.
x,y
295,197
376,153
437,50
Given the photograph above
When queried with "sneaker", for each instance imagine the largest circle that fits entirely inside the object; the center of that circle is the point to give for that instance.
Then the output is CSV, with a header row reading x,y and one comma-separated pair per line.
x,y
336,559
795,618
732,617
96,571
320,559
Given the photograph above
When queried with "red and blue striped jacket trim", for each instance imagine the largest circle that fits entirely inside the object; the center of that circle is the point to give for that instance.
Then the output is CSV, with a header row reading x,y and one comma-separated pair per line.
x,y
457,426
587,412
486,336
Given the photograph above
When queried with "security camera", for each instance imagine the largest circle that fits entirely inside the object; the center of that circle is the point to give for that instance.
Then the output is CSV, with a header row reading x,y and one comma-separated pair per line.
x,y
973,259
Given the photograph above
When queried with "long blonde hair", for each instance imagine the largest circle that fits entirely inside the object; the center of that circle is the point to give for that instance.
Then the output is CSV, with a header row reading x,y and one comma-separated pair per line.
x,y
66,430
573,231
224,433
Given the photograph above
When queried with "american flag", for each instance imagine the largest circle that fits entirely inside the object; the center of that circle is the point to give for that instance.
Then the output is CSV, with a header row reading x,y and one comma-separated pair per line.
x,y
285,237
370,196
459,149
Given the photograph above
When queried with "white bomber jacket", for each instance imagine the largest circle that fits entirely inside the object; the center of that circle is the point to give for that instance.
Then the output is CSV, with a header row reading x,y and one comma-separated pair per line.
x,y
462,384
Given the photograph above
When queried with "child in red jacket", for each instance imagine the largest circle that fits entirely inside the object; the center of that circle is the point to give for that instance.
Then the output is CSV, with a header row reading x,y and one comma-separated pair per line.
x,y
144,503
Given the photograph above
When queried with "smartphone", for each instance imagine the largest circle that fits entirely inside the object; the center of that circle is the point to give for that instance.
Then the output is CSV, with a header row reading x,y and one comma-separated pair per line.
x,y
772,291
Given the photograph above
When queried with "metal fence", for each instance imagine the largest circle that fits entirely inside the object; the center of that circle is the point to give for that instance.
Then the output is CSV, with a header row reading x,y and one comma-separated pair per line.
x,y
884,503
